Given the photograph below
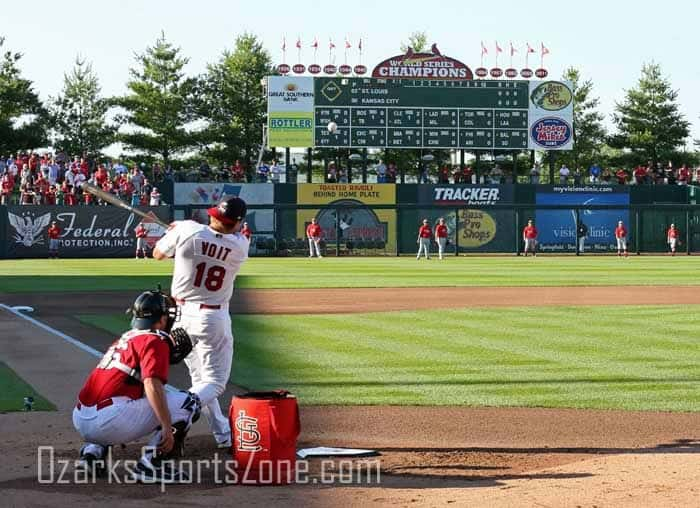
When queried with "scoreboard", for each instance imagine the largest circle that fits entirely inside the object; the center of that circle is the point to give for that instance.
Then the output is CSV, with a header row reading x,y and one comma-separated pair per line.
x,y
417,113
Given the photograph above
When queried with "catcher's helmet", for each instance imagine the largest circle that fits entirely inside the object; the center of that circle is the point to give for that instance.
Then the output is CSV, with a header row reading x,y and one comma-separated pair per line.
x,y
229,211
149,307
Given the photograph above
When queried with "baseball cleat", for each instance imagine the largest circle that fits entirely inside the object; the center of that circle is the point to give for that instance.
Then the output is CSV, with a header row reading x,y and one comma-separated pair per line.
x,y
91,463
158,471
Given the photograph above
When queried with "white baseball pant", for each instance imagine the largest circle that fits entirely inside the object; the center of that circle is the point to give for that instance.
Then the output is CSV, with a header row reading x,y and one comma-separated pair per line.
x,y
622,244
423,245
127,420
581,243
442,243
314,244
210,361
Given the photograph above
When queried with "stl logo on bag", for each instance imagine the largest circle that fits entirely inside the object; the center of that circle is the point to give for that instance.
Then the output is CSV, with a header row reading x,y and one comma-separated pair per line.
x,y
248,435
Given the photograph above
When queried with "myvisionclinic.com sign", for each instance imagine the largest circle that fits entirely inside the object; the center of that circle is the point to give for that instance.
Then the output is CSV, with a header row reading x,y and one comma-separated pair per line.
x,y
86,231
465,195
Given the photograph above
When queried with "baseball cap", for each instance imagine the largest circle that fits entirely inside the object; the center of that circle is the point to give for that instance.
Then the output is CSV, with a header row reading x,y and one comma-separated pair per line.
x,y
229,211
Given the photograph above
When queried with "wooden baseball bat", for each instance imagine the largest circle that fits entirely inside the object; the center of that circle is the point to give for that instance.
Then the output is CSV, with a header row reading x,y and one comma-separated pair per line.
x,y
114,200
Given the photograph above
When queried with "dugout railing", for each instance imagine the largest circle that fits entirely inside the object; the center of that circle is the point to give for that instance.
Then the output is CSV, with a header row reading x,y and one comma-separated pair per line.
x,y
391,230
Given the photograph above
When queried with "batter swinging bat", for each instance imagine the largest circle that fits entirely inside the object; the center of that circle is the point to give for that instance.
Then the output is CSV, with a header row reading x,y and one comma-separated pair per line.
x,y
112,199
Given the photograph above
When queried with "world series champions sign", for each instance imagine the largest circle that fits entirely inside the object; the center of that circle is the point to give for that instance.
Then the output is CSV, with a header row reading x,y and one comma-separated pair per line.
x,y
414,108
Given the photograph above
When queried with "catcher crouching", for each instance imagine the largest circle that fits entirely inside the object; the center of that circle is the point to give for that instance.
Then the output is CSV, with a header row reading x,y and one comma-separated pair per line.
x,y
124,397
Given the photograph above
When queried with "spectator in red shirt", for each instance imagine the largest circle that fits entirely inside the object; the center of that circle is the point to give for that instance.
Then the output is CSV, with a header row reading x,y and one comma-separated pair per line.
x,y
684,175
101,175
313,233
50,196
444,175
441,236
424,236
54,233
640,174
26,194
69,196
42,186
530,238
124,397
7,185
237,172
621,176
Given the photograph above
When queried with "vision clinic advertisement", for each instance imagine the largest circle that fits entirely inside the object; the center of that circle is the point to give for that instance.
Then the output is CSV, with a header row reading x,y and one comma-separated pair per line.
x,y
557,228
290,111
550,115
86,231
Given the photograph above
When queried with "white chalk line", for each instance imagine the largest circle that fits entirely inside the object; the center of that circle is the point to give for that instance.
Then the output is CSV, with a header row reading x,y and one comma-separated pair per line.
x,y
58,333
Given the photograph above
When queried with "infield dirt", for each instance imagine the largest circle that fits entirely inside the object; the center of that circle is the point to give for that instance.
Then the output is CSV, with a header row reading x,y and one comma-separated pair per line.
x,y
430,456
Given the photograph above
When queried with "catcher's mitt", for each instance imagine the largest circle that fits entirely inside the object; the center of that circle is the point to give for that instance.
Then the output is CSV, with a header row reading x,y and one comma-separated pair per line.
x,y
180,345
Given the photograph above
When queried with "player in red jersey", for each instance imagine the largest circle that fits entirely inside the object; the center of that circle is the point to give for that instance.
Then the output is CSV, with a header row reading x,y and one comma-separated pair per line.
x,y
246,231
54,233
441,236
313,233
530,238
673,238
424,236
621,238
140,233
124,398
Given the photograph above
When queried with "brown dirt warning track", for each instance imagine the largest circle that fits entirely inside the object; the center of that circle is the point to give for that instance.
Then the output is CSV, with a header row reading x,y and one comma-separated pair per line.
x,y
430,456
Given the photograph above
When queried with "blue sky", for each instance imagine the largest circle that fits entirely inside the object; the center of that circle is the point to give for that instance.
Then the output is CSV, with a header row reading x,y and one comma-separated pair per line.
x,y
607,40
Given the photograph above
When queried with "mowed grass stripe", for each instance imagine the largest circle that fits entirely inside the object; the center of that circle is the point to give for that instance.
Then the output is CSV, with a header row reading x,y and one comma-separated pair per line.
x,y
129,274
617,357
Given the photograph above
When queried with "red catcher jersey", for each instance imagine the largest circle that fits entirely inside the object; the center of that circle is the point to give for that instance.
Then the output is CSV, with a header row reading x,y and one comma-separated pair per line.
x,y
620,232
441,231
142,349
313,230
530,232
425,232
206,262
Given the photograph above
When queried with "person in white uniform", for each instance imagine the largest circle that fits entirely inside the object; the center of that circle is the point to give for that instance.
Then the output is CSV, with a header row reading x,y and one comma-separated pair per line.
x,y
207,259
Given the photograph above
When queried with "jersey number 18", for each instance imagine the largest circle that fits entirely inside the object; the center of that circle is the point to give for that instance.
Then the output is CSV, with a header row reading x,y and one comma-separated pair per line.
x,y
213,278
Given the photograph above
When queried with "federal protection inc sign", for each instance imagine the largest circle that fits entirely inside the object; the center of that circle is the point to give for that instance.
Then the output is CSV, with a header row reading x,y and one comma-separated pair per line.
x,y
290,111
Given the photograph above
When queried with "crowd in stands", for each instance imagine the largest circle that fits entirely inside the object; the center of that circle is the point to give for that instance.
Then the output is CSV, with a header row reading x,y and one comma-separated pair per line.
x,y
32,179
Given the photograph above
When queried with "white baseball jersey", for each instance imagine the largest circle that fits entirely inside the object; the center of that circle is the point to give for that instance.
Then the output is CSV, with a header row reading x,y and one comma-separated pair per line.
x,y
206,262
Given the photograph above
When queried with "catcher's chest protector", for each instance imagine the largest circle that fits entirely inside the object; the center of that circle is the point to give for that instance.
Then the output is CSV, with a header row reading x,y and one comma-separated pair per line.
x,y
264,429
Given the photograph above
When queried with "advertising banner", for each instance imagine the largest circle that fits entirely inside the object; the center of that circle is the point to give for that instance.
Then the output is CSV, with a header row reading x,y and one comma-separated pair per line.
x,y
86,231
465,195
557,228
212,193
290,111
360,222
551,115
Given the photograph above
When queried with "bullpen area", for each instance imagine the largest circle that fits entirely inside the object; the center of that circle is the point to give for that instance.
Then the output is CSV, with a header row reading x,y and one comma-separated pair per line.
x,y
480,380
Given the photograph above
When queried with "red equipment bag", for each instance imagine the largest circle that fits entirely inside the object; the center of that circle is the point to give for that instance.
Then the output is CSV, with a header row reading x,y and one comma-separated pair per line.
x,y
265,427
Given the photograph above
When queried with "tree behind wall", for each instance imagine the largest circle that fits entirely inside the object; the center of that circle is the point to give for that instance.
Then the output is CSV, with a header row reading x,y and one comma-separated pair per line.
x,y
159,107
22,116
78,114
589,133
232,101
649,122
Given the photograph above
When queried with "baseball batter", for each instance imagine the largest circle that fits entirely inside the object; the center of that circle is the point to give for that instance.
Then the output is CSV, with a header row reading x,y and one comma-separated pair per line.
x,y
313,233
424,236
54,233
672,238
530,238
441,236
140,233
207,259
621,238
124,399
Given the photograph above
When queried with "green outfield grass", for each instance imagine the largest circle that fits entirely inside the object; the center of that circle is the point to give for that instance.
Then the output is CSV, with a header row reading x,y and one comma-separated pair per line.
x,y
129,274
622,357
14,389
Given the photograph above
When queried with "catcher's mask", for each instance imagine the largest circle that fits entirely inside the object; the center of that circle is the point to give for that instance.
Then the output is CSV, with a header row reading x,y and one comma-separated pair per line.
x,y
149,307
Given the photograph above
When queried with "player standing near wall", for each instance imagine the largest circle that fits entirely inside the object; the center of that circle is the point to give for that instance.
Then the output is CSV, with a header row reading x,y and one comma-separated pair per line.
x,y
313,233
581,234
54,233
530,238
441,236
140,233
673,239
621,237
424,236
207,259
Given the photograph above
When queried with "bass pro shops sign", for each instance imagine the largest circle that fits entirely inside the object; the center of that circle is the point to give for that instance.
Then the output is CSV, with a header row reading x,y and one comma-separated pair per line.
x,y
86,231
